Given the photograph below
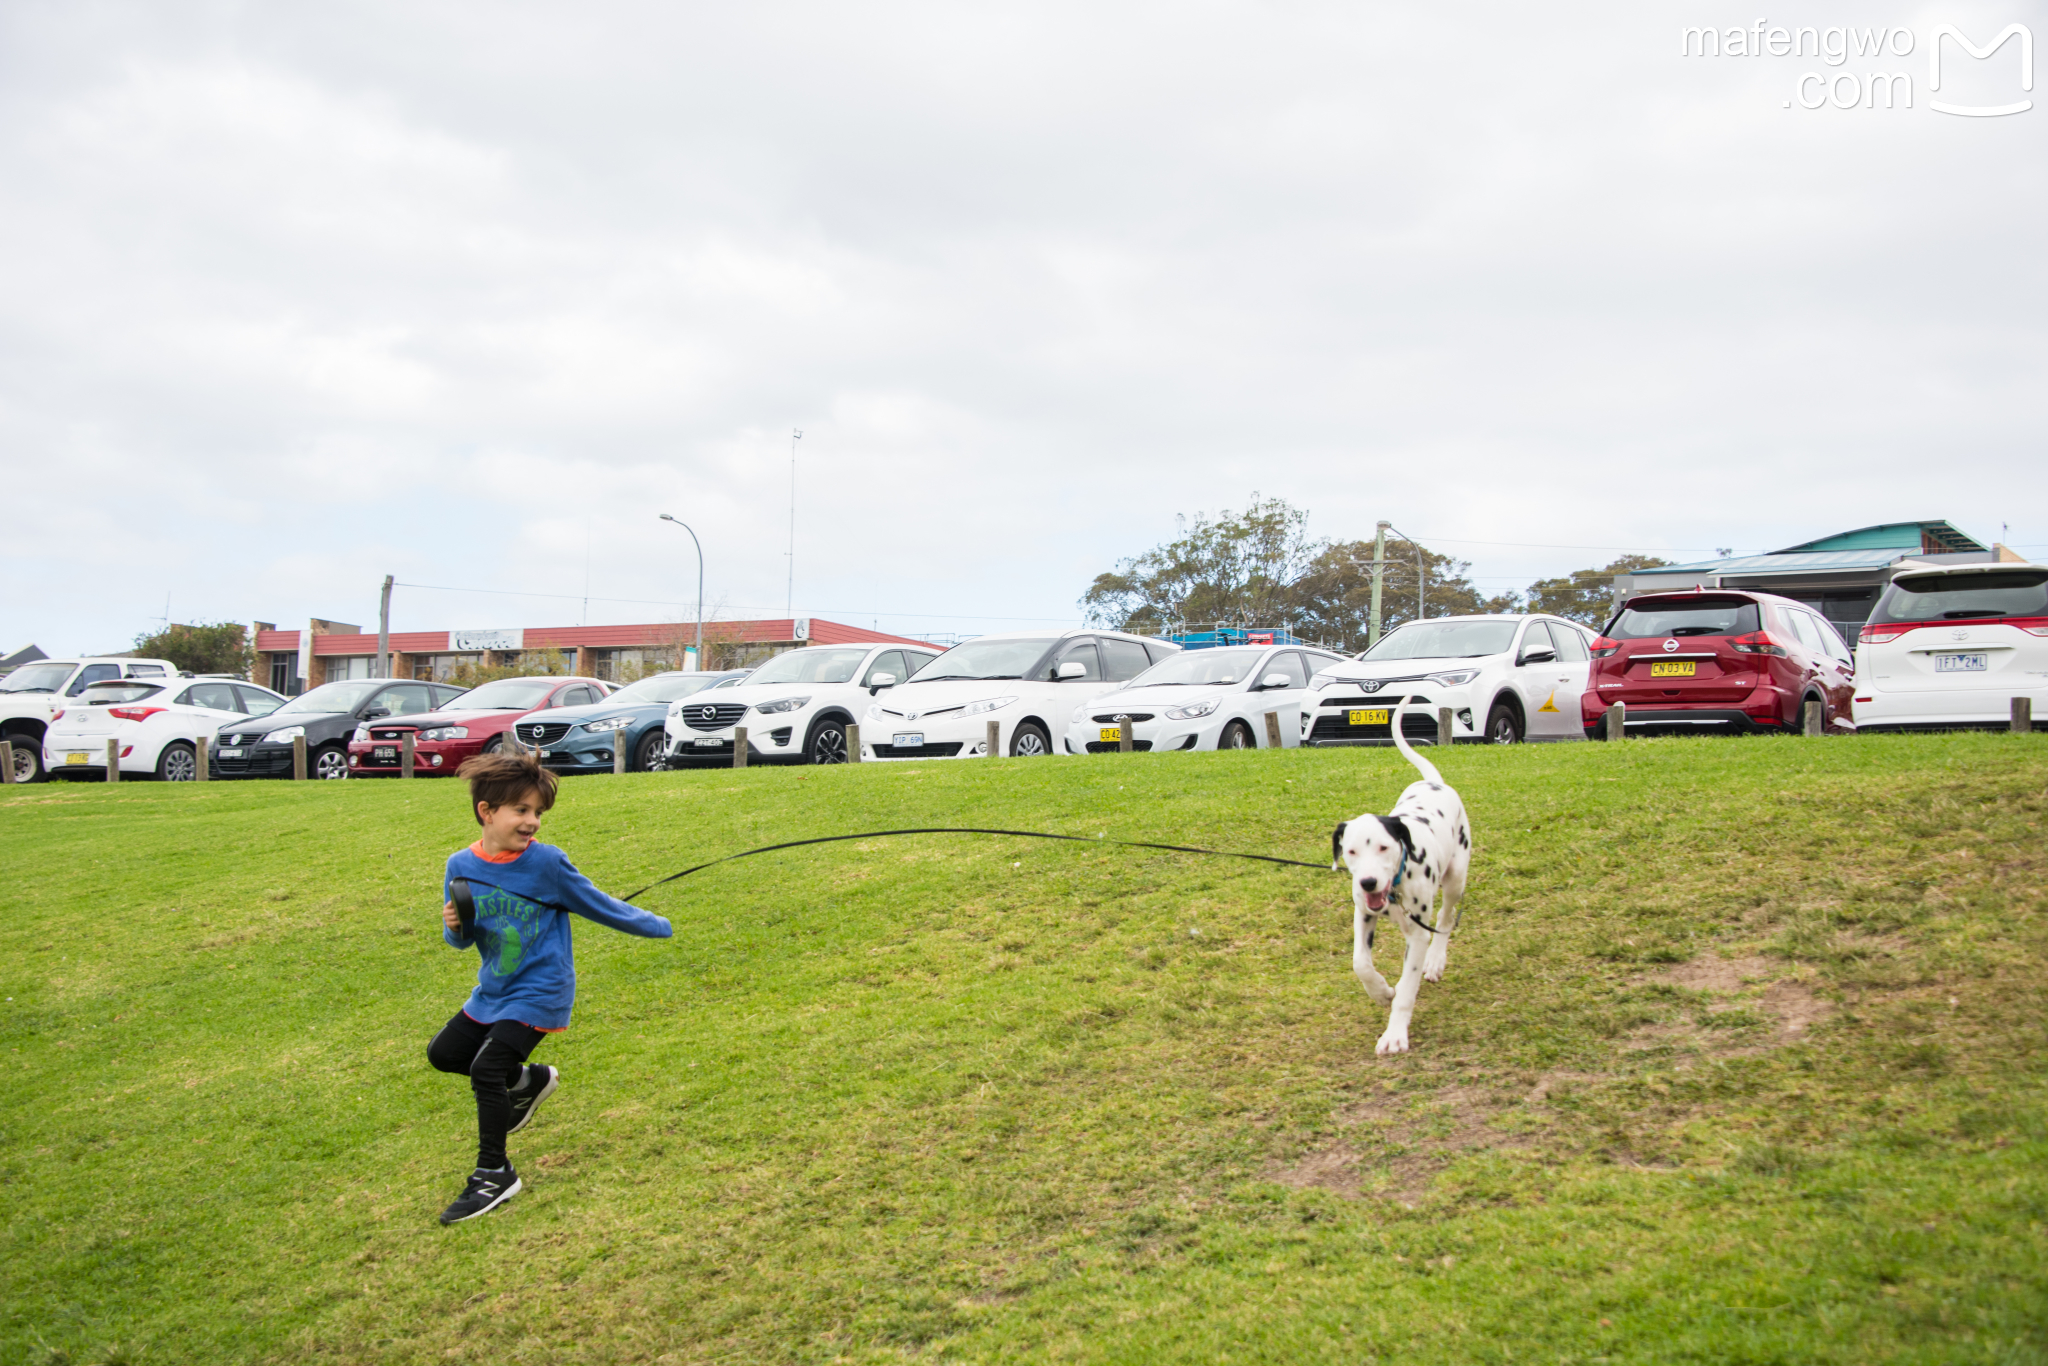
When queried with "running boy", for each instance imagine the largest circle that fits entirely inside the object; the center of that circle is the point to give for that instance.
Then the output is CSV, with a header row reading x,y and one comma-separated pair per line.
x,y
523,891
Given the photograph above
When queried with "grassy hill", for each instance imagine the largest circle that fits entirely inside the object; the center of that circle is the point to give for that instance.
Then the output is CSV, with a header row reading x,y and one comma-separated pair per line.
x,y
1740,1058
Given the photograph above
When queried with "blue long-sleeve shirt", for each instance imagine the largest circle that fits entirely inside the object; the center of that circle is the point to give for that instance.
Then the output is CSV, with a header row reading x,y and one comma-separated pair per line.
x,y
522,931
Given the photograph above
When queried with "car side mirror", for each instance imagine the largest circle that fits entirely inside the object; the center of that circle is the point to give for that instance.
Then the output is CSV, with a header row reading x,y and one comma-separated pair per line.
x,y
1276,680
1073,668
373,713
877,682
1537,657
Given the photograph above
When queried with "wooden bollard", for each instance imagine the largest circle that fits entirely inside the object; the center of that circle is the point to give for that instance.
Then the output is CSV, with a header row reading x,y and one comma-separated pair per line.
x,y
618,749
1812,723
853,743
202,755
2022,715
6,761
1125,739
113,761
1443,725
299,758
739,746
1617,721
1272,730
995,739
406,742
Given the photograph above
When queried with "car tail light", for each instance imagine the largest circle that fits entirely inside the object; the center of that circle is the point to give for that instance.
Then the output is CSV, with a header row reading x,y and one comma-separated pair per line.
x,y
1758,643
1604,647
133,713
1881,635
2033,626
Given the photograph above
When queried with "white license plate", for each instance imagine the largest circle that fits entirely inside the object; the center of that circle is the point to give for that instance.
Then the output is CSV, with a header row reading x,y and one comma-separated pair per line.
x,y
908,739
227,754
1961,664
707,740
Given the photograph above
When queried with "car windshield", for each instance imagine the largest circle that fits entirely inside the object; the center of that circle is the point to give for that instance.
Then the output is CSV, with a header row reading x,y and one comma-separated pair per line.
x,y
1959,597
1195,668
36,678
333,696
507,694
1444,640
1692,617
104,694
986,659
810,666
665,688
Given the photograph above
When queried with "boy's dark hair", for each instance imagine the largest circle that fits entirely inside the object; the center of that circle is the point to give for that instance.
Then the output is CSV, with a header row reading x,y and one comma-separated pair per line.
x,y
495,779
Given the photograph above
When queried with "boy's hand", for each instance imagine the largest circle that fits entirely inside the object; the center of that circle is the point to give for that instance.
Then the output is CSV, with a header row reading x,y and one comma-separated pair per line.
x,y
448,916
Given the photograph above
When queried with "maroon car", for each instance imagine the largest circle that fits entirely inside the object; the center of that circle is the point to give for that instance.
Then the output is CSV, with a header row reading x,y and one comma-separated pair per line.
x,y
1717,659
474,723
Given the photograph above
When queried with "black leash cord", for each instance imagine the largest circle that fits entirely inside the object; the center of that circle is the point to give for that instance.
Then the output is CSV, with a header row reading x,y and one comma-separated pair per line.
x,y
971,830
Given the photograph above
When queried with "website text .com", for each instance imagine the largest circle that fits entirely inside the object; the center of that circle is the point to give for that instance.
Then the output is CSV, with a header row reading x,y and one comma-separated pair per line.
x,y
1835,45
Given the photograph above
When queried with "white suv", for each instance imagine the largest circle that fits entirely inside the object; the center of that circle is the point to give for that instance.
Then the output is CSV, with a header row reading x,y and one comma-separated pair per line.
x,y
33,692
1505,679
1947,648
1026,682
796,707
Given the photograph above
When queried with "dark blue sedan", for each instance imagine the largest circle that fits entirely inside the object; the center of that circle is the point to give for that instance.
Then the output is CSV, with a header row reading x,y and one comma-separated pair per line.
x,y
580,739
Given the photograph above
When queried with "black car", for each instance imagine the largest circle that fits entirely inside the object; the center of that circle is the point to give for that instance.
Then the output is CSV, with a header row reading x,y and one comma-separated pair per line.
x,y
327,716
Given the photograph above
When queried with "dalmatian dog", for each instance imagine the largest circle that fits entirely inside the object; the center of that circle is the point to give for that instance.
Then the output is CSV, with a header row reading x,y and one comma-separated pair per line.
x,y
1398,863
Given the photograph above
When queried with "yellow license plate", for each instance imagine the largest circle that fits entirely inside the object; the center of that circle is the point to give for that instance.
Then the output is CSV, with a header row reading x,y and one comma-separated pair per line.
x,y
1675,668
1112,735
1378,716
74,758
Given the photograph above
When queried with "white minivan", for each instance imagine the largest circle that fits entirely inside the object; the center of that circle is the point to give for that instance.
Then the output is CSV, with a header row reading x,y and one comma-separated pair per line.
x,y
1951,648
1027,682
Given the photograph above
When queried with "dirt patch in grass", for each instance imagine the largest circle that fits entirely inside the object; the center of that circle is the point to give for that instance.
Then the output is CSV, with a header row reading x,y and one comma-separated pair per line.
x,y
1754,984
1392,1146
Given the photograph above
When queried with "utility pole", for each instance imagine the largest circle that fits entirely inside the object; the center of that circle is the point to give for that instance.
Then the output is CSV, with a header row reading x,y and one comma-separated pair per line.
x,y
794,437
384,631
1379,568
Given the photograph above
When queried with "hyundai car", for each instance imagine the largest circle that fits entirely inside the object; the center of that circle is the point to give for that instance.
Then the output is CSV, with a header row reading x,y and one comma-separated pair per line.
x,y
1202,699
156,724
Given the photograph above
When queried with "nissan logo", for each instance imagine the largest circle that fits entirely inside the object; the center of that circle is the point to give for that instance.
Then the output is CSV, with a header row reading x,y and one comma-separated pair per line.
x,y
1670,645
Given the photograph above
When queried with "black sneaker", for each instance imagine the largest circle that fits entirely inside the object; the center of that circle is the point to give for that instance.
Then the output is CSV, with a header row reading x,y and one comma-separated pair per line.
x,y
485,1192
524,1103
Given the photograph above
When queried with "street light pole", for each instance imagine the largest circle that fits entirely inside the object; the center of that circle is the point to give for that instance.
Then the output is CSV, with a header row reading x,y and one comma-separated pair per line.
x,y
794,437
700,585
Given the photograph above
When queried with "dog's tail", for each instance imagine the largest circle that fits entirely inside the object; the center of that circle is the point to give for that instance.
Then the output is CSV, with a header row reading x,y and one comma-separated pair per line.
x,y
1422,765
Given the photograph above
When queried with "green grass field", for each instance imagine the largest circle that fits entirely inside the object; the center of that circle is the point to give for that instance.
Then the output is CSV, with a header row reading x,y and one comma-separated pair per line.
x,y
1740,1058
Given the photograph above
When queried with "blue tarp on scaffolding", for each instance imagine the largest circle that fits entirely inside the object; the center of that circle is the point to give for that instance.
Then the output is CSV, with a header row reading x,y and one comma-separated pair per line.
x,y
1234,635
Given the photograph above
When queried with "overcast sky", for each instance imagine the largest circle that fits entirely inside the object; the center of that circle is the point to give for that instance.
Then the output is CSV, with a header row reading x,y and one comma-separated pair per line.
x,y
293,297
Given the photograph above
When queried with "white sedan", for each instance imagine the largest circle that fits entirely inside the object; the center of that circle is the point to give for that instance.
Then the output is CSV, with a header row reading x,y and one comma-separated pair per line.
x,y
157,725
1203,699
1952,648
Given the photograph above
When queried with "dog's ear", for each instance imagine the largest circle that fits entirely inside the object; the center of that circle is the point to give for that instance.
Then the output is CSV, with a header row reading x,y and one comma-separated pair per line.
x,y
1398,828
1337,847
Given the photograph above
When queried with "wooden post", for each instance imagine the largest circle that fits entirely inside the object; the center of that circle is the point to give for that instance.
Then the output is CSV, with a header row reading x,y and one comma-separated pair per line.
x,y
405,753
1125,739
6,761
618,749
1443,725
1813,724
853,743
113,761
1617,721
2022,716
1272,730
739,746
299,757
202,754
995,739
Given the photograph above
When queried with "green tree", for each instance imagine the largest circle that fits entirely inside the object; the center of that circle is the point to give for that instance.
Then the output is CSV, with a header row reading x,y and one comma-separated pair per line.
x,y
202,648
1586,596
1334,597
1239,569
549,663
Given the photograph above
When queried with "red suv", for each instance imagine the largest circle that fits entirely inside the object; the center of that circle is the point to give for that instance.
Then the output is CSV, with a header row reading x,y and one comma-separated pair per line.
x,y
474,723
1720,659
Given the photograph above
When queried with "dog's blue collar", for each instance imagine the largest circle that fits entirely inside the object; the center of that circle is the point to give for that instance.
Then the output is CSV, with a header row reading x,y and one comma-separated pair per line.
x,y
1399,873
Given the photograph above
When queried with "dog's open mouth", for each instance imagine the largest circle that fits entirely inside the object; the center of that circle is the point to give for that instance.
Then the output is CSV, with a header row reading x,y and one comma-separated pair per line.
x,y
1376,901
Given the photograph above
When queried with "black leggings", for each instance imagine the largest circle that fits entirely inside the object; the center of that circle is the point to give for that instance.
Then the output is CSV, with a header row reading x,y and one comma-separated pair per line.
x,y
493,1057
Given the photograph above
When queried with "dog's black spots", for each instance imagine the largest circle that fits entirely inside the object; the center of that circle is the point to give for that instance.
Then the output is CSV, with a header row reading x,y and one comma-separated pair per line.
x,y
1424,820
1337,844
1436,787
1372,927
1463,842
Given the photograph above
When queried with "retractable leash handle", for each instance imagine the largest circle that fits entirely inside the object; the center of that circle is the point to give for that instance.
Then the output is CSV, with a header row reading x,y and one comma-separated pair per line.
x,y
465,903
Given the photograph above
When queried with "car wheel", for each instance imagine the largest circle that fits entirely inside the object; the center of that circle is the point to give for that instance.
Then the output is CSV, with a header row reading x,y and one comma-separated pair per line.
x,y
178,763
1029,742
651,755
329,761
1237,735
28,758
827,744
494,744
1503,727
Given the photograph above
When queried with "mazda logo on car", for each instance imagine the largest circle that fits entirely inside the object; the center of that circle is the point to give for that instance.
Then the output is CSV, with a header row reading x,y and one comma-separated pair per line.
x,y
1670,645
710,713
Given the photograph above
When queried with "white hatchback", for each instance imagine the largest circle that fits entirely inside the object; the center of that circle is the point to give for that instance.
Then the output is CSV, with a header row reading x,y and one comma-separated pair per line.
x,y
1948,648
1505,679
157,726
1203,699
1025,682
796,707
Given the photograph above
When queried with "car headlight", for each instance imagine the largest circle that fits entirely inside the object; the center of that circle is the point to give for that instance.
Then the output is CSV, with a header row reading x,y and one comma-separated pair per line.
x,y
781,704
362,735
875,712
1192,711
986,704
443,733
1454,678
286,736
1079,712
608,723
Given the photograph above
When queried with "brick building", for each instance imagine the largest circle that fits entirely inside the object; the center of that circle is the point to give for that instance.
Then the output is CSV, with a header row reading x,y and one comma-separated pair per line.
x,y
326,651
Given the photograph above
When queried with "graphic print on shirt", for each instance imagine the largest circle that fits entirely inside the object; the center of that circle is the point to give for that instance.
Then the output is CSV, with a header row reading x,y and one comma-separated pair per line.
x,y
506,923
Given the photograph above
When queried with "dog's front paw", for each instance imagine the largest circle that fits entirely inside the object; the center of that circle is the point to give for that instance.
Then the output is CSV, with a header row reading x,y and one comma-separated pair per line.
x,y
1393,1041
1433,966
1376,987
